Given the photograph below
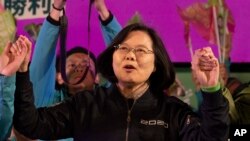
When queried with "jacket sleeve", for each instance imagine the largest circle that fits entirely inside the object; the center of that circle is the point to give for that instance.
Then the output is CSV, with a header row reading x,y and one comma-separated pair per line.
x,y
233,114
55,122
214,122
110,28
42,68
7,88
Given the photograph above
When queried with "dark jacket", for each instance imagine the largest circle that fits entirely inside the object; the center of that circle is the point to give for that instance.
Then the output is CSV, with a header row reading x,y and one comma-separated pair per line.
x,y
241,99
103,116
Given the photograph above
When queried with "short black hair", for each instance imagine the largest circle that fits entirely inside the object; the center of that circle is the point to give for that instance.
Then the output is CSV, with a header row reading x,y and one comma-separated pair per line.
x,y
160,79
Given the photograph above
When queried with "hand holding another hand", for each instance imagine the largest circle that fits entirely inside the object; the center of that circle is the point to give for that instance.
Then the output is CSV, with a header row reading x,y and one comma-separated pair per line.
x,y
16,56
27,45
205,67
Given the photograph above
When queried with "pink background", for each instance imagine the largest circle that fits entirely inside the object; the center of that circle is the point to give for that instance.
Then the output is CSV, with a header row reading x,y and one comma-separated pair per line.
x,y
161,15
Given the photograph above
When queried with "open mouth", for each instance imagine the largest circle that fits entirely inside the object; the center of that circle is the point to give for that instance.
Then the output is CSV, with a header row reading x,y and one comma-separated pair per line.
x,y
129,67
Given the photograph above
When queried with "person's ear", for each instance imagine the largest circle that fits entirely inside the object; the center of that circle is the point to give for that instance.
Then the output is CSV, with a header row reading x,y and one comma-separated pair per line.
x,y
59,78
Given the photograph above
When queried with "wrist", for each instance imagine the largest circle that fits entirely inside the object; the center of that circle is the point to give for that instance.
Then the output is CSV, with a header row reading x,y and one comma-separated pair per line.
x,y
53,21
24,67
55,13
212,88
104,14
57,8
107,20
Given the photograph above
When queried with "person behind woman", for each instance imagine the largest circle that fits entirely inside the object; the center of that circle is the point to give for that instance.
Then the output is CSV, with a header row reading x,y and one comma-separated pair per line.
x,y
45,77
238,97
134,107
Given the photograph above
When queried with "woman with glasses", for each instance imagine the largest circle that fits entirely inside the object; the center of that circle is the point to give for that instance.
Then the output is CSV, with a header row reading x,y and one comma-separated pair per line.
x,y
134,107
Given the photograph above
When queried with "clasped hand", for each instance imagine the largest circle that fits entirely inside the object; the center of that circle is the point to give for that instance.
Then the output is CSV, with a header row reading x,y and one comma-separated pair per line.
x,y
205,67
15,56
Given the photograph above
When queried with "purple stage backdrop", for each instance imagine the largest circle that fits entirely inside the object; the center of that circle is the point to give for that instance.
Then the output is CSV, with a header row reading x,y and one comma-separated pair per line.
x,y
160,14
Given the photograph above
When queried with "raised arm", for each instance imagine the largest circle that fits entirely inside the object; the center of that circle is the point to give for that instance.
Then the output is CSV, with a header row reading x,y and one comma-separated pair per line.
x,y
10,62
214,108
214,124
55,122
26,117
11,59
42,68
109,25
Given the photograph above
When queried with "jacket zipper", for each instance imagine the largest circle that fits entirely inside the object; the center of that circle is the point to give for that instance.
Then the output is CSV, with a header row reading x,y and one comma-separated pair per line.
x,y
129,118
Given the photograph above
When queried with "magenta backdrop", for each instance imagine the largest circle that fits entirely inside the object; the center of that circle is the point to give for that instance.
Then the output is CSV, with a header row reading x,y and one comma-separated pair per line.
x,y
161,15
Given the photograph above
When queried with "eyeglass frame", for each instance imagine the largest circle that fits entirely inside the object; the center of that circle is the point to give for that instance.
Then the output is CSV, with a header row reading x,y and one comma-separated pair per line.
x,y
129,49
86,63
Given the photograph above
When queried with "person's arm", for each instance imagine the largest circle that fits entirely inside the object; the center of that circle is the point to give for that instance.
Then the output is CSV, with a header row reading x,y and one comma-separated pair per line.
x,y
109,25
14,55
48,123
214,124
110,28
28,120
7,88
215,115
233,113
40,123
42,68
